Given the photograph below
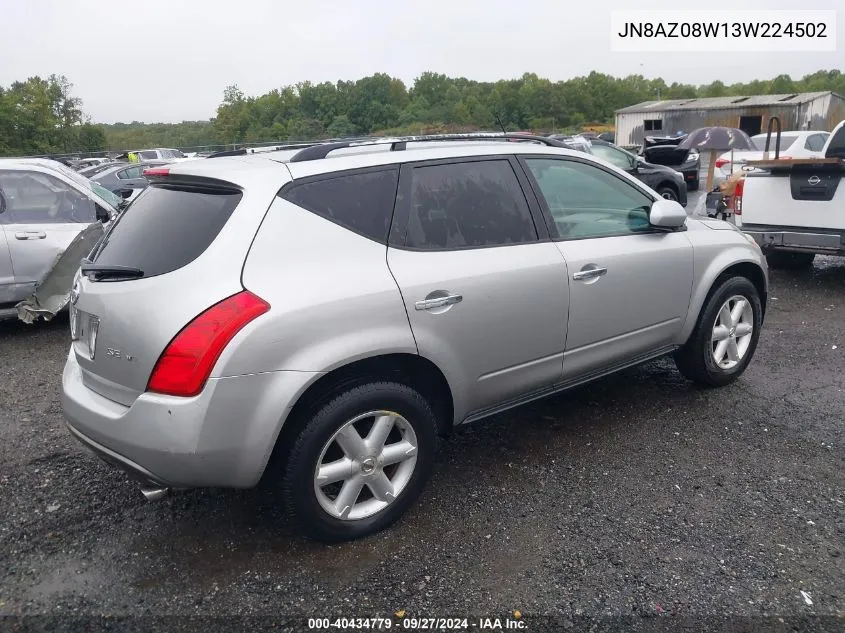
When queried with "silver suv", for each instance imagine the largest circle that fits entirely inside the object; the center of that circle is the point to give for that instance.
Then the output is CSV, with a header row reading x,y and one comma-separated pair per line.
x,y
319,317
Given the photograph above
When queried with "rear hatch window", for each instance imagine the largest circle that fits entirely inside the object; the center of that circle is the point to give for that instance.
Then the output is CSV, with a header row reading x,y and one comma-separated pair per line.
x,y
166,228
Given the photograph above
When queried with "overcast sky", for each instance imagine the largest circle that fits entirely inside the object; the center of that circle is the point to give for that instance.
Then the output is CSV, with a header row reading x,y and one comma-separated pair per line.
x,y
169,60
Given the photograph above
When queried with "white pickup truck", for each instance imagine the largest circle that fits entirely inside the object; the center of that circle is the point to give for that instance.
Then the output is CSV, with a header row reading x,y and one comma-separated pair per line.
x,y
795,208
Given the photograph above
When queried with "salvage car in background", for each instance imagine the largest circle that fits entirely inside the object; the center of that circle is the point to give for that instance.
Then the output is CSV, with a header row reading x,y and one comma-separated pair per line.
x,y
665,150
91,171
44,206
126,179
795,144
159,153
794,207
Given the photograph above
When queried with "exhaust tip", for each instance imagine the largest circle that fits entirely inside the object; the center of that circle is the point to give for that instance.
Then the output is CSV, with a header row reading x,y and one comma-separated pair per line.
x,y
152,493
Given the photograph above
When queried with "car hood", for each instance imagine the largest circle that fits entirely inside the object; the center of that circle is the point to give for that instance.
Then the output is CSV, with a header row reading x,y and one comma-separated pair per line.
x,y
716,225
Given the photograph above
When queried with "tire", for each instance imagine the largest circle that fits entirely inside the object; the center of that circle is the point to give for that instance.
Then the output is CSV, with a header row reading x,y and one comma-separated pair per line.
x,y
315,509
696,361
668,192
787,260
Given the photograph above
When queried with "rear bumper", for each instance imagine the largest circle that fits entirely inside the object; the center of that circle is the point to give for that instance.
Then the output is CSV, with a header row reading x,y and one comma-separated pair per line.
x,y
220,438
797,239
135,471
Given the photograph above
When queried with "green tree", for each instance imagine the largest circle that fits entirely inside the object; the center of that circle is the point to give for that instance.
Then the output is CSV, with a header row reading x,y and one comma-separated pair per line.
x,y
340,127
715,89
42,116
233,118
782,84
91,137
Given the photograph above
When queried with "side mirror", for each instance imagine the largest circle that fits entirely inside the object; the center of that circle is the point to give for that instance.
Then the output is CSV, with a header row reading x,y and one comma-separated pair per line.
x,y
126,193
103,215
634,162
667,214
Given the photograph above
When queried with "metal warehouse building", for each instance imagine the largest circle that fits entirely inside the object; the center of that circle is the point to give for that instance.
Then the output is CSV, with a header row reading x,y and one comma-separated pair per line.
x,y
802,111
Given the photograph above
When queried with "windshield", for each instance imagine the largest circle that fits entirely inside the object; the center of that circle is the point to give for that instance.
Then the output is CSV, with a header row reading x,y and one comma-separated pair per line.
x,y
786,140
105,194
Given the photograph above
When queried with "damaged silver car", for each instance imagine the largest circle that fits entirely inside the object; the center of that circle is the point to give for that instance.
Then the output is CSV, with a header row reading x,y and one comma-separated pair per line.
x,y
50,218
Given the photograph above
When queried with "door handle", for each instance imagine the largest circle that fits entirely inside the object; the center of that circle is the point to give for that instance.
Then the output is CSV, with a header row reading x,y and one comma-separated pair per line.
x,y
439,302
590,273
30,235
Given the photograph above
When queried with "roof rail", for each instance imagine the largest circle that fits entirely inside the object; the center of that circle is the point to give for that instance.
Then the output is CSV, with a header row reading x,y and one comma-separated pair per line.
x,y
260,150
317,151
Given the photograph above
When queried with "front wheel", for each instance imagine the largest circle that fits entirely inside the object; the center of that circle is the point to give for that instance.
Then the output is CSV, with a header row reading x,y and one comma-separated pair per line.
x,y
668,193
725,336
361,461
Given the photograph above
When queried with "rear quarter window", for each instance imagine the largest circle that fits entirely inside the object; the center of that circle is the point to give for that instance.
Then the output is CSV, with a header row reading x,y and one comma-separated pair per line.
x,y
167,228
361,201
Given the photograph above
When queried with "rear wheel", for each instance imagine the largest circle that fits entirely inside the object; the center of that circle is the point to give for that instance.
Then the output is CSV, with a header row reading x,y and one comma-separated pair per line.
x,y
361,461
725,337
668,193
789,261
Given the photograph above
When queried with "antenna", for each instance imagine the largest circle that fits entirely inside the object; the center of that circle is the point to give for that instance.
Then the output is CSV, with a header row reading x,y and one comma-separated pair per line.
x,y
501,125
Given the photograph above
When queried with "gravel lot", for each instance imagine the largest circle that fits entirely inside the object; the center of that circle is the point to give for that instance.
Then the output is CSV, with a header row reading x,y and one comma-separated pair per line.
x,y
640,495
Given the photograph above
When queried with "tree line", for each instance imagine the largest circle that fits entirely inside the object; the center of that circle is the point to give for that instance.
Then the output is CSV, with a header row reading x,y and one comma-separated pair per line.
x,y
40,116
381,104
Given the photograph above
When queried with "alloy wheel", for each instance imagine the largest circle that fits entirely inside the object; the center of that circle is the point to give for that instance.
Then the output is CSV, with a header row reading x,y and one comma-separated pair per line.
x,y
732,332
365,465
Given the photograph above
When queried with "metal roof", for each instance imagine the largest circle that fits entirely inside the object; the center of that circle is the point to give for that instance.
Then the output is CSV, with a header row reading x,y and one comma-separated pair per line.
x,y
724,103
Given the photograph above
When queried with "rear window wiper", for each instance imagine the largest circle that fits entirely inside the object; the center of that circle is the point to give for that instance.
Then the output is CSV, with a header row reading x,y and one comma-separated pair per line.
x,y
102,271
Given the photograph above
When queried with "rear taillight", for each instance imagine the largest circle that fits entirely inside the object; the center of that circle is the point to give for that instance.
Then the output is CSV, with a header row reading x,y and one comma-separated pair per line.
x,y
737,197
721,161
157,171
184,366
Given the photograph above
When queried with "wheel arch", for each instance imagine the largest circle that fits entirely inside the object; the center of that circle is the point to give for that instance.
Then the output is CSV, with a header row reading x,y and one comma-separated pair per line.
x,y
412,370
719,270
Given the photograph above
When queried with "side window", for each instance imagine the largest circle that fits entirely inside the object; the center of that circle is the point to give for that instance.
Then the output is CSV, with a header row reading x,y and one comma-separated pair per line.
x,y
586,201
29,197
615,157
468,205
149,155
361,202
815,142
